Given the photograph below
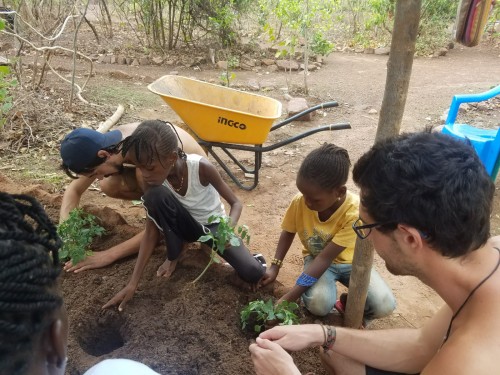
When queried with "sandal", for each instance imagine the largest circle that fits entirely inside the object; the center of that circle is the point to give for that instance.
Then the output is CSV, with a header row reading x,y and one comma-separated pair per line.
x,y
341,303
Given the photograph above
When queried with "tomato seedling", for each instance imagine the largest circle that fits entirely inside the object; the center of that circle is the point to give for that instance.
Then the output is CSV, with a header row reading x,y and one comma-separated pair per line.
x,y
260,314
223,238
77,233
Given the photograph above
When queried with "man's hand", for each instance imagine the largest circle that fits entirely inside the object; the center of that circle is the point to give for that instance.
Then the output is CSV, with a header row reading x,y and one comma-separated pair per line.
x,y
122,297
269,358
96,260
269,276
295,337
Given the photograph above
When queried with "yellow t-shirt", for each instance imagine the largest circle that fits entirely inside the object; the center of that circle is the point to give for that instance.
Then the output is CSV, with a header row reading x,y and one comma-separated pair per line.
x,y
316,234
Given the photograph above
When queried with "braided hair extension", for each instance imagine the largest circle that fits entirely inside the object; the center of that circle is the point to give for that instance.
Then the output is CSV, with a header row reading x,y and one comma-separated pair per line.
x,y
180,152
29,268
327,166
152,140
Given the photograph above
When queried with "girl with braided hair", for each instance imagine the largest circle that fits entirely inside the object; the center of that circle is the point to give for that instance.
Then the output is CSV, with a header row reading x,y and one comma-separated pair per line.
x,y
322,214
33,321
181,193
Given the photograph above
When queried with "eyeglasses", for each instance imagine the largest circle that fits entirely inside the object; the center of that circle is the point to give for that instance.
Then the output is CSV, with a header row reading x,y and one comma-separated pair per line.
x,y
363,230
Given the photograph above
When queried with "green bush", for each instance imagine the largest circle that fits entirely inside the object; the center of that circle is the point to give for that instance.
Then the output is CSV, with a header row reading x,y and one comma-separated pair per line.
x,y
320,45
435,19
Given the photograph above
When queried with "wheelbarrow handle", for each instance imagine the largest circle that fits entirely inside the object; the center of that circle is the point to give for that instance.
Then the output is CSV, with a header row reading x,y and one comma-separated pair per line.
x,y
305,112
260,148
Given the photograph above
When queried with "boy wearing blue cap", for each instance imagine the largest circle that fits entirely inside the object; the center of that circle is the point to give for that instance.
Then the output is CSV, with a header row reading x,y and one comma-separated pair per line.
x,y
88,155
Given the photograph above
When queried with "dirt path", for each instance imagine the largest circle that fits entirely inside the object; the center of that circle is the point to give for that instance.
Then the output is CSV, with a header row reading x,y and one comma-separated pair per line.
x,y
178,328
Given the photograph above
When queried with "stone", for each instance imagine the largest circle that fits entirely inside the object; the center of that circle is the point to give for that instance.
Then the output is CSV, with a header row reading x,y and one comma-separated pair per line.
x,y
442,51
119,74
382,51
143,61
157,60
287,65
253,85
247,63
267,85
121,59
297,105
267,62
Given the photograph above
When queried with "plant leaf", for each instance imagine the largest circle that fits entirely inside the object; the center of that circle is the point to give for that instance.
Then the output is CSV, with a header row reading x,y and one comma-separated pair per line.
x,y
205,238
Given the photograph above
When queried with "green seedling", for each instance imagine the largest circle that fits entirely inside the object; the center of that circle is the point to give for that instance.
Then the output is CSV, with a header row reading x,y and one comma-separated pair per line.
x,y
223,238
77,233
258,315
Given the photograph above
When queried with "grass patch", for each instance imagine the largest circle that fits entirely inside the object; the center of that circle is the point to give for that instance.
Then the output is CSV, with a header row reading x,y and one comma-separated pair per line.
x,y
129,95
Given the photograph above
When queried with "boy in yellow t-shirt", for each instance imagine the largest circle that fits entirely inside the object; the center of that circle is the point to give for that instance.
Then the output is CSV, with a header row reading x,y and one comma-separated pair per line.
x,y
322,215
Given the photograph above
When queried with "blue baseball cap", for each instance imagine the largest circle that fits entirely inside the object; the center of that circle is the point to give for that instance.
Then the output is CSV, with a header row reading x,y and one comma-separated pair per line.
x,y
79,148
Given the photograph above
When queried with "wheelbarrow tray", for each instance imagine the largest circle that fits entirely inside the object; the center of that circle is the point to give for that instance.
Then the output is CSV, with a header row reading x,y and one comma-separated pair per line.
x,y
217,113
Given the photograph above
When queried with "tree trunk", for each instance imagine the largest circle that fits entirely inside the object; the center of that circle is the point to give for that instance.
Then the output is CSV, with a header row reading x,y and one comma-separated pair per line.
x,y
358,283
399,66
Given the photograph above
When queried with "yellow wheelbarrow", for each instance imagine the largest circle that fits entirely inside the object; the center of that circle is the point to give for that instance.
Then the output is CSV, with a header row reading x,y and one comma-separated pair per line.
x,y
230,119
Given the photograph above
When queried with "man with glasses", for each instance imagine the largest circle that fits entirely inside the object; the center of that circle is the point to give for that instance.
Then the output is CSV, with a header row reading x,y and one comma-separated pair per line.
x,y
426,202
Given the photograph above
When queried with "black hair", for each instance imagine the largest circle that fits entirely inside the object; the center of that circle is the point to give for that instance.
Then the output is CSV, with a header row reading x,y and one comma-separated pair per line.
x,y
152,140
327,166
144,143
29,268
432,182
97,161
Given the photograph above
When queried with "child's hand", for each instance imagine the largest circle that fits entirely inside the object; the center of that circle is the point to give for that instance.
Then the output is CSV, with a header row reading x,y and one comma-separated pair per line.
x,y
269,276
122,297
96,260
284,298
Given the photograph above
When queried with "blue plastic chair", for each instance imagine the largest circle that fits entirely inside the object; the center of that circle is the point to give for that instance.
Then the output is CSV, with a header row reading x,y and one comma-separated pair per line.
x,y
486,142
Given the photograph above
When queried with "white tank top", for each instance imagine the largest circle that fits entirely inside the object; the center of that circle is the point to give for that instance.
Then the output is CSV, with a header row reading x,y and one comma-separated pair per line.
x,y
201,201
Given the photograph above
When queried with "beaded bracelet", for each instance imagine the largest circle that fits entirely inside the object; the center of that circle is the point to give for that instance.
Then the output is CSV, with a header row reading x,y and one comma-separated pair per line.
x,y
305,280
277,262
330,333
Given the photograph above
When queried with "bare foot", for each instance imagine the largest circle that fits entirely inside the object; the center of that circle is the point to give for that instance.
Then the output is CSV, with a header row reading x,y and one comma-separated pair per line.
x,y
167,268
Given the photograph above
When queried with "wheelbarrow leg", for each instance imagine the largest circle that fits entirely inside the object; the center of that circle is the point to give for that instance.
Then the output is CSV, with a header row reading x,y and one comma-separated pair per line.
x,y
244,169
